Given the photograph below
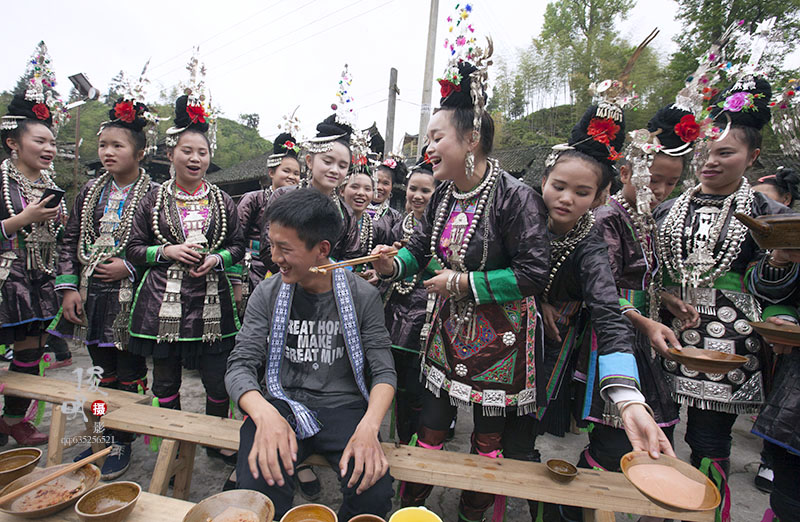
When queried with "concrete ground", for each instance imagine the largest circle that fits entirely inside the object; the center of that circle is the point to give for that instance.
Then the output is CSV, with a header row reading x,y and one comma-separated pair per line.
x,y
210,474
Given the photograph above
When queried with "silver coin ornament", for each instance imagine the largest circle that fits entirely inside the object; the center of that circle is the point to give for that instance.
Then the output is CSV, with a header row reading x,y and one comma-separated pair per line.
x,y
742,327
692,337
726,314
461,370
715,329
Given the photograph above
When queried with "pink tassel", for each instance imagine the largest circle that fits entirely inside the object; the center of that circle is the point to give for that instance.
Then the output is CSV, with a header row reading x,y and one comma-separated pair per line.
x,y
726,505
769,516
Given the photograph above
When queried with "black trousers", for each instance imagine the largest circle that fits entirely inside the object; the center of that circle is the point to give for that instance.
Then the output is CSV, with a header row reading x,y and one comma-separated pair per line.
x,y
784,499
338,425
167,373
409,396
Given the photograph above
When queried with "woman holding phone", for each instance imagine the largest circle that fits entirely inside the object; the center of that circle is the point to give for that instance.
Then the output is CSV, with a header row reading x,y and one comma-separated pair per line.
x,y
30,221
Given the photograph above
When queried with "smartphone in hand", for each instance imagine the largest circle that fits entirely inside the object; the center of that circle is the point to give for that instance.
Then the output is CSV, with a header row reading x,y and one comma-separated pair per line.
x,y
57,192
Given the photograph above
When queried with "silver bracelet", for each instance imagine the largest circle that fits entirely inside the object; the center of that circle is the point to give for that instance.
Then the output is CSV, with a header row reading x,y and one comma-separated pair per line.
x,y
622,407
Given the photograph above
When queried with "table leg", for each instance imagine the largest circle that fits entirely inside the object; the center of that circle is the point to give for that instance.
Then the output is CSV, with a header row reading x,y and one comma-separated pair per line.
x,y
159,483
55,444
595,515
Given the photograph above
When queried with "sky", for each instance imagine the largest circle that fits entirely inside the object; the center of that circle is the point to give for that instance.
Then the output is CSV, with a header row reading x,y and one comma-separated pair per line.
x,y
273,56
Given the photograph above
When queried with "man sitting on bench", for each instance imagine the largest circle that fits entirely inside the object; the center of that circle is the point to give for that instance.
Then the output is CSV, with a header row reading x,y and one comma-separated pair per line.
x,y
329,374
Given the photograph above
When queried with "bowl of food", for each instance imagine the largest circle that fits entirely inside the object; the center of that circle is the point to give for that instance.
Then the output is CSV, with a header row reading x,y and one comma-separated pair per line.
x,y
561,470
366,518
670,482
236,505
310,513
53,496
109,503
707,361
16,463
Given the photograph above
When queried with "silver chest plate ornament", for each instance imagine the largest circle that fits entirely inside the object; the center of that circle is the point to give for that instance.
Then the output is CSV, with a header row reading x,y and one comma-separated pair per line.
x,y
509,338
726,314
715,329
751,344
743,327
692,337
461,370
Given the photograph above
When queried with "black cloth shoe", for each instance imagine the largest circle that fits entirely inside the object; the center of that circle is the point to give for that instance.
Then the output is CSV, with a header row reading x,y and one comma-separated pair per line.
x,y
309,490
215,453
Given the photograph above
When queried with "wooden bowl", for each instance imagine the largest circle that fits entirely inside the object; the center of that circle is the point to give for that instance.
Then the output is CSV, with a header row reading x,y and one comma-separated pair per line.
x,y
17,462
669,495
84,479
779,334
110,503
707,361
780,231
561,470
246,499
310,513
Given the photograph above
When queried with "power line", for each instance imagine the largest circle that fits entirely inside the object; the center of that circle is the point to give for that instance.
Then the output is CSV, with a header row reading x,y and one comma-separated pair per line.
x,y
264,56
247,18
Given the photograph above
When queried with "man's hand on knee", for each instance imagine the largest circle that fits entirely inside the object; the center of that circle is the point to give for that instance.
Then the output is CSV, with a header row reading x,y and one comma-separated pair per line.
x,y
274,444
370,462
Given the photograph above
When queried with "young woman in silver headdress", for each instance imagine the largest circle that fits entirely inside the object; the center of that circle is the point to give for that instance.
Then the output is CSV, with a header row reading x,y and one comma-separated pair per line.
x,y
187,234
94,280
30,223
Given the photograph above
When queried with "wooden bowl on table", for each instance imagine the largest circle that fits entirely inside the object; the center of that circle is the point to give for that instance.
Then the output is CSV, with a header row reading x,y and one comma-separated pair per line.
x,y
68,489
778,334
670,482
561,470
109,503
707,361
236,504
16,463
310,513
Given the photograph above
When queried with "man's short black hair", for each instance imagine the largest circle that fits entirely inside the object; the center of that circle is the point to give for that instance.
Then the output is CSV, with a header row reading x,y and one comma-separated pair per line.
x,y
310,213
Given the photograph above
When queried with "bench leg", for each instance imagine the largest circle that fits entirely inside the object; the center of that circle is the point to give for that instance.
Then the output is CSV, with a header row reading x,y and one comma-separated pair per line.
x,y
159,482
55,444
595,515
185,467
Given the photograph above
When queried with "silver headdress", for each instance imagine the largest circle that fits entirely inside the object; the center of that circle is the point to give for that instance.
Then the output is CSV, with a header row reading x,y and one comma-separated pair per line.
x,y
198,104
786,118
290,125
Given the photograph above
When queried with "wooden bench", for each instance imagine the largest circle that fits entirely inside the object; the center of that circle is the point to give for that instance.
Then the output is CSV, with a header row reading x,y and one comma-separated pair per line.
x,y
601,493
56,392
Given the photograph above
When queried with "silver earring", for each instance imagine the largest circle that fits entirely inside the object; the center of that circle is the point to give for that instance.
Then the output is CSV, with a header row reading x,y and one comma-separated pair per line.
x,y
470,163
14,155
171,170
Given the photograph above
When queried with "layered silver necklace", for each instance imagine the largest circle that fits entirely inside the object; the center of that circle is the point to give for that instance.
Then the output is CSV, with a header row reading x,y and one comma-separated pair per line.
x,y
700,266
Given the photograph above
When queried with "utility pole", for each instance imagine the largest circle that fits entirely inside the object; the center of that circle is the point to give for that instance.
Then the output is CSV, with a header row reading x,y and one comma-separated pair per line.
x,y
76,162
393,92
427,85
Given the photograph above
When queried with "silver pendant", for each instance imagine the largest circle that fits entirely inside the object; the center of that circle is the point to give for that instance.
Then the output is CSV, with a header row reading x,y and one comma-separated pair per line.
x,y
461,370
715,329
689,373
670,366
752,345
692,337
743,327
509,338
726,314
716,377
752,363
676,323
736,376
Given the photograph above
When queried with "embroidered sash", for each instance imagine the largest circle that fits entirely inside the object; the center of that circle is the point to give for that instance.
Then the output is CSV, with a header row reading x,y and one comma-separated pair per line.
x,y
306,424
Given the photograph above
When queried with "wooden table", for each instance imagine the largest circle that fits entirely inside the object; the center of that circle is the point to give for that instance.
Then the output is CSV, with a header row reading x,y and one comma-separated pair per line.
x,y
149,508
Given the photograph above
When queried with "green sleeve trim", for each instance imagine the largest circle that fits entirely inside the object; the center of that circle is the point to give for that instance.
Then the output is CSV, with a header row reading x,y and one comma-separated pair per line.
x,y
624,303
152,255
67,279
408,264
773,310
227,260
495,286
234,270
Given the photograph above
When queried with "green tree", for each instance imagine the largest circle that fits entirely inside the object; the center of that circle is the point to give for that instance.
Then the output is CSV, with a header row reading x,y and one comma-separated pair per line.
x,y
583,28
250,120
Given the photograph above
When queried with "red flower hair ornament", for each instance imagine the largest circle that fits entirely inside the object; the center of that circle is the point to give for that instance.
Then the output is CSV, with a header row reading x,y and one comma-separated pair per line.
x,y
41,111
196,113
602,130
125,111
687,129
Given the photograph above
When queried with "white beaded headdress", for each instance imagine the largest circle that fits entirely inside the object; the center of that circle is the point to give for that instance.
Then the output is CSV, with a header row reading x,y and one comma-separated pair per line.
x,y
40,94
198,105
